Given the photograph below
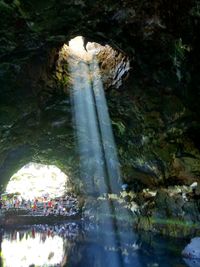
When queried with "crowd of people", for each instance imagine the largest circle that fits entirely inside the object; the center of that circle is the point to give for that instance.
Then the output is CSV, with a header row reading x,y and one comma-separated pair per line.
x,y
66,206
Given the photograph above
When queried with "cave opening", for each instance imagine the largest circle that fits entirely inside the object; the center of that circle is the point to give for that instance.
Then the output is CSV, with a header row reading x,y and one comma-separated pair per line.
x,y
114,64
36,180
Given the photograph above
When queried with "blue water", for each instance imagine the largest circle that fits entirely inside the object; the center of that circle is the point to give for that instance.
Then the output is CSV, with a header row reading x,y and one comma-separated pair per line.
x,y
79,244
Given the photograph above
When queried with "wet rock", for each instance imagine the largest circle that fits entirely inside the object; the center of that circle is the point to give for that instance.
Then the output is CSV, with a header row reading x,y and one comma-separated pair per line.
x,y
134,207
143,179
192,262
192,250
183,172
175,205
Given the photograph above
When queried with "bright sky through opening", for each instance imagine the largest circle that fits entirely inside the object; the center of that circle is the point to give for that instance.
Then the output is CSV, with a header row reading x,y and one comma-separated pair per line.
x,y
38,180
76,44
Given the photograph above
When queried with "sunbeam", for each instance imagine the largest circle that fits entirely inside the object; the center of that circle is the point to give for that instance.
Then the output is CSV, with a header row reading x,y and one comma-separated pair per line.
x,y
99,164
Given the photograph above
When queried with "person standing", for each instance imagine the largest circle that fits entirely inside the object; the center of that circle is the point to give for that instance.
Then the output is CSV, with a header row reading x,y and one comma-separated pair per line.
x,y
34,205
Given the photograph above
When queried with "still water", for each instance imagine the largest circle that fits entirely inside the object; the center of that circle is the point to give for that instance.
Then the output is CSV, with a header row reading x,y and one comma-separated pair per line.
x,y
78,244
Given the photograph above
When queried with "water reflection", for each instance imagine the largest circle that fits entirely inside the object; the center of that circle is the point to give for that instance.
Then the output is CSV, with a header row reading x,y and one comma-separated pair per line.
x,y
40,245
85,245
28,250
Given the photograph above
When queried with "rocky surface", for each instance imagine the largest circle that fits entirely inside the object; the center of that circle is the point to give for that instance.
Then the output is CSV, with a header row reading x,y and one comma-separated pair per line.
x,y
173,211
114,65
192,250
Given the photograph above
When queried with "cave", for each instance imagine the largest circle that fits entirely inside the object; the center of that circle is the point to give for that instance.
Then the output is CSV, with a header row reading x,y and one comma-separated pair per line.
x,y
40,132
108,92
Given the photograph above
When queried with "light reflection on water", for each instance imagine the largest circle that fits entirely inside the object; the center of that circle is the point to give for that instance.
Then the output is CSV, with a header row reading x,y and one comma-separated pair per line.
x,y
75,245
28,250
39,245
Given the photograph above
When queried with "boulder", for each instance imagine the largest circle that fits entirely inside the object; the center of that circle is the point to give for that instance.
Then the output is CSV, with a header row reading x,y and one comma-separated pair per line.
x,y
192,250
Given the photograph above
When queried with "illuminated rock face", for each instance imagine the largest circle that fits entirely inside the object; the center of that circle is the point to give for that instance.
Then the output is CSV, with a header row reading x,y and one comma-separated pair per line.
x,y
37,180
114,66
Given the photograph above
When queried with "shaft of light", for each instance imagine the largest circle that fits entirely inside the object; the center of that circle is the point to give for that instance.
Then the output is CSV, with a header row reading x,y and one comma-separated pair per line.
x,y
99,163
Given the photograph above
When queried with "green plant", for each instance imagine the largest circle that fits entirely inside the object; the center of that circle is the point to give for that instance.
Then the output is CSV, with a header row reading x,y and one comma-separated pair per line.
x,y
121,128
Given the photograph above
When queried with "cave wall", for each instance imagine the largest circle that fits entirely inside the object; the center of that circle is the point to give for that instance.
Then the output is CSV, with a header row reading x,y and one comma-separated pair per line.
x,y
155,116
